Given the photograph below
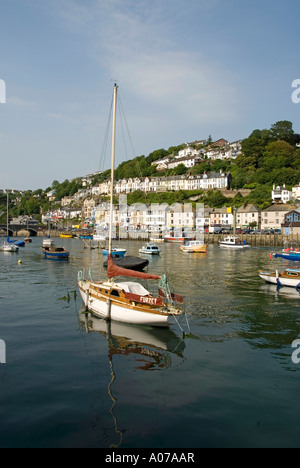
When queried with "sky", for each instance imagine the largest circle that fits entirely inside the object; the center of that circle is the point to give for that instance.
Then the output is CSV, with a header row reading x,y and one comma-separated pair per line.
x,y
186,69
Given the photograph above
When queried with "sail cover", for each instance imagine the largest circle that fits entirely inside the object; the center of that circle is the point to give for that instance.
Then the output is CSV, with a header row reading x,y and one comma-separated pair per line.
x,y
113,271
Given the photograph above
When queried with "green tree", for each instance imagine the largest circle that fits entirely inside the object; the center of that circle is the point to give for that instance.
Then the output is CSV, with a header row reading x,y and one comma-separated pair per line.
x,y
278,154
180,169
282,130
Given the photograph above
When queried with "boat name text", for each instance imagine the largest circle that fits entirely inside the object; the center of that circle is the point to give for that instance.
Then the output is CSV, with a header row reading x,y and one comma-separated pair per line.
x,y
148,300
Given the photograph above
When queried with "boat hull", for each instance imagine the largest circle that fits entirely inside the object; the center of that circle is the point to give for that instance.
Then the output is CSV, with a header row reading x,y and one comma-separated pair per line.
x,y
233,246
177,240
55,253
194,249
116,253
294,257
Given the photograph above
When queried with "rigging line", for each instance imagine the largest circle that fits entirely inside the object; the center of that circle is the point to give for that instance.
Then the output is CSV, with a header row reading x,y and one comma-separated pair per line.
x,y
126,125
105,141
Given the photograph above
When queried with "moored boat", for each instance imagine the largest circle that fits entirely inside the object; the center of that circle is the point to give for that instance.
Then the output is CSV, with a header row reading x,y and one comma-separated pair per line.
x,y
289,252
150,249
5,247
194,247
115,252
65,235
177,239
289,277
57,253
130,263
233,242
127,302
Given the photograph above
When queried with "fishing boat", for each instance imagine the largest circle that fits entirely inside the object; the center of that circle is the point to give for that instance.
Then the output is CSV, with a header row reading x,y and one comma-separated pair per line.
x,y
194,247
233,242
127,301
289,277
57,253
150,249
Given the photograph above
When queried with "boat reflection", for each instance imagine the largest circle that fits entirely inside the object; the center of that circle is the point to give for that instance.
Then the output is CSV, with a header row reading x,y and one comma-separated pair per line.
x,y
151,347
147,342
284,291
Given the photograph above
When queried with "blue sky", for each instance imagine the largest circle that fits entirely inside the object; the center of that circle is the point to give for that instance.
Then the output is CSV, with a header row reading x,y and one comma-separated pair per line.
x,y
186,69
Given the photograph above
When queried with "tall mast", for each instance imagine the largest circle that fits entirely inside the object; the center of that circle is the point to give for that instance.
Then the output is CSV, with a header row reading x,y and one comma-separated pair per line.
x,y
112,169
7,215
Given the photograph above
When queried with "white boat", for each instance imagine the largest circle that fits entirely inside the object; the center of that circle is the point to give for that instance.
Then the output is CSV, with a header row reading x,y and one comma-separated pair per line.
x,y
150,249
194,247
289,277
5,247
48,242
157,238
127,302
233,242
8,246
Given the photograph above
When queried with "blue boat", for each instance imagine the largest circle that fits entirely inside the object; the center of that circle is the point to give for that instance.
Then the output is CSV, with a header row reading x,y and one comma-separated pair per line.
x,y
55,253
293,256
290,252
15,242
116,253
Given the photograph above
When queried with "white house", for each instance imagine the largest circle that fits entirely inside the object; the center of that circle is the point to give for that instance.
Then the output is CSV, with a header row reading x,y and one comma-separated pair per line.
x,y
296,192
247,215
273,216
281,194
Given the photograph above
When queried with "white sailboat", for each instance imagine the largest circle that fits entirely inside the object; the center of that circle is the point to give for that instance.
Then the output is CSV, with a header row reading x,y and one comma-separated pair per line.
x,y
6,246
127,302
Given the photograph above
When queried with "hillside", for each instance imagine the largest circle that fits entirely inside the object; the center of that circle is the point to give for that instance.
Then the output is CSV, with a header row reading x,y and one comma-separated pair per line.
x,y
269,156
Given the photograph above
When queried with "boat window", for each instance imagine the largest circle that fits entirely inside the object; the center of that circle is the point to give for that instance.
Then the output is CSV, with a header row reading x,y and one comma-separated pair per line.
x,y
115,293
291,273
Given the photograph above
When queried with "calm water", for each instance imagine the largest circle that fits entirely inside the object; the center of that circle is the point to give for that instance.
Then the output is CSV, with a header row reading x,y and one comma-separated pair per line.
x,y
76,382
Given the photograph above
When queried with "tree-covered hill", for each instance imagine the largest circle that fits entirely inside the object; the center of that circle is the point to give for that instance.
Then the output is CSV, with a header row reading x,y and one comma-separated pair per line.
x,y
269,156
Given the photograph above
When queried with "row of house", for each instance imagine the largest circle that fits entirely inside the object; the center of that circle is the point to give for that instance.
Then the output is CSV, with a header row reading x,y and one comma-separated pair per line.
x,y
156,216
162,216
192,154
206,181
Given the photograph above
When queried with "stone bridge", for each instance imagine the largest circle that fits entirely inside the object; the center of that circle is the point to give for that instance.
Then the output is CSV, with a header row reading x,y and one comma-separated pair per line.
x,y
31,230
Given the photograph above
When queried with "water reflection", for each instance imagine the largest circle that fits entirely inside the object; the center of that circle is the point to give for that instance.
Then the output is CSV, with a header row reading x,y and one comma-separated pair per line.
x,y
151,349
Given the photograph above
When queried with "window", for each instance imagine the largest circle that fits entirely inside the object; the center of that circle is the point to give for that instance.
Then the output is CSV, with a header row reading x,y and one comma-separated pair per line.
x,y
115,293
